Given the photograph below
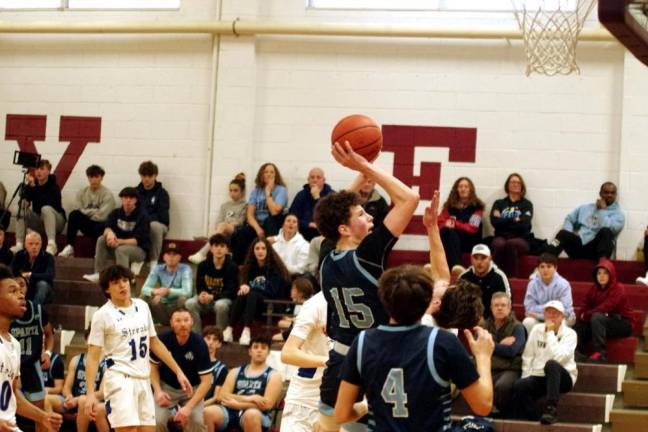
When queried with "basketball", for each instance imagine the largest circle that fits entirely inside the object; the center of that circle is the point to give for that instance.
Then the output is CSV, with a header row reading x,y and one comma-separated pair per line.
x,y
362,132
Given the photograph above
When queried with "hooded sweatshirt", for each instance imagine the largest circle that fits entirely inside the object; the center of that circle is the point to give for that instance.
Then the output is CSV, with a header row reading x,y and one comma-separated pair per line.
x,y
543,346
47,194
293,252
587,220
155,202
304,204
538,294
610,298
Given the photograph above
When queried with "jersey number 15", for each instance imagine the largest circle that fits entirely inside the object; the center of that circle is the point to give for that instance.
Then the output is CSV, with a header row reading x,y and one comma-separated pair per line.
x,y
358,314
143,348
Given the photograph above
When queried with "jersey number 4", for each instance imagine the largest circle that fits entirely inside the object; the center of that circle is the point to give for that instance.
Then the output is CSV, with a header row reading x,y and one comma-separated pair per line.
x,y
359,314
393,392
143,348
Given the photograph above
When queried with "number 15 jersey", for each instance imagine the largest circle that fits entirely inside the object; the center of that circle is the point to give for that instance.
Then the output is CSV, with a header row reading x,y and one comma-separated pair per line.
x,y
349,281
124,335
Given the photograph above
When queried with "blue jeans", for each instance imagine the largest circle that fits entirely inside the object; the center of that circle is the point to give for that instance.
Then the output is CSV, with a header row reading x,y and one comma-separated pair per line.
x,y
42,293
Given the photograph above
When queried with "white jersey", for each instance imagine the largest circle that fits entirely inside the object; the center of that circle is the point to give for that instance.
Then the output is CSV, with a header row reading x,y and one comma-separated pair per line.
x,y
124,335
9,370
309,325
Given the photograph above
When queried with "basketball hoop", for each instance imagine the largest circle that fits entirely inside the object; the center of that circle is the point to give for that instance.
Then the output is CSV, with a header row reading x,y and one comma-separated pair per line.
x,y
550,30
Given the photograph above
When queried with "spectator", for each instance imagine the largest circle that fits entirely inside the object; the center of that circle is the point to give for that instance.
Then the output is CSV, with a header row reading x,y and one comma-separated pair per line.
x,y
216,283
34,333
126,237
314,261
189,350
93,205
264,276
509,336
265,208
75,391
548,366
46,215
303,205
406,358
230,215
545,286
154,199
250,391
606,314
644,280
511,218
484,273
291,246
37,267
168,285
370,198
53,377
460,221
5,214
6,256
590,230
213,337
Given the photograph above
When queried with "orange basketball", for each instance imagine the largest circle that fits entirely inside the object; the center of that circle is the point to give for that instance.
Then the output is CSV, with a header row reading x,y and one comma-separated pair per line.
x,y
362,132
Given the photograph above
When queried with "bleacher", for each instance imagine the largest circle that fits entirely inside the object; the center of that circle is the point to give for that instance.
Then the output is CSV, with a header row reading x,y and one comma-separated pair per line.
x,y
606,397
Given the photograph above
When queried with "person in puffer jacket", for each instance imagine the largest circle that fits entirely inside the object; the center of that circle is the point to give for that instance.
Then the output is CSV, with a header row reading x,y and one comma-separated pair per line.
x,y
606,314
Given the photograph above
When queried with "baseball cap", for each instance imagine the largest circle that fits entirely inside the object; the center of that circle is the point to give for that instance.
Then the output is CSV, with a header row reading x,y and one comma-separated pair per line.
x,y
172,247
481,249
556,304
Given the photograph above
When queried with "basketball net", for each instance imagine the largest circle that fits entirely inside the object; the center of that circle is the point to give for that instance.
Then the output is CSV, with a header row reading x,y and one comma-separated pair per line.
x,y
550,30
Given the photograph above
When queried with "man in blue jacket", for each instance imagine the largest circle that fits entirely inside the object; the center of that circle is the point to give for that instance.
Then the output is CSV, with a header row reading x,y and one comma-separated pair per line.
x,y
305,201
590,230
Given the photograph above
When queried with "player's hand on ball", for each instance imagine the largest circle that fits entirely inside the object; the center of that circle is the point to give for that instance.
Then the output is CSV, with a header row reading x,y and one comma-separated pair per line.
x,y
482,344
184,383
345,156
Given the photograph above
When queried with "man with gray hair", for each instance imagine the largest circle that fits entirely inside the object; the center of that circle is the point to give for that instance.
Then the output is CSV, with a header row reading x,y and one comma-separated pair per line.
x,y
37,267
305,201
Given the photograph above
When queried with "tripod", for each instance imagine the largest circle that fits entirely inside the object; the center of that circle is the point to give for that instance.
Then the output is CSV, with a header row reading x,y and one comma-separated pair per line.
x,y
18,192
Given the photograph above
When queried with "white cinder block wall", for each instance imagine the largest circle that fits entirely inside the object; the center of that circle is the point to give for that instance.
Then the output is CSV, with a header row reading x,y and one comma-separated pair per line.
x,y
277,99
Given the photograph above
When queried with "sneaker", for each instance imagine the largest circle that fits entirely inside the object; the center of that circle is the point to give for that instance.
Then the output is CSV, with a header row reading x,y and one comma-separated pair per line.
x,y
197,258
643,280
136,267
550,415
94,277
16,248
227,335
68,251
245,336
51,248
457,270
597,357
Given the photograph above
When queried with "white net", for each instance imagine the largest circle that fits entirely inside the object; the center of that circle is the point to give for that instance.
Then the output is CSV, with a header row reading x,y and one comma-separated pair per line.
x,y
550,30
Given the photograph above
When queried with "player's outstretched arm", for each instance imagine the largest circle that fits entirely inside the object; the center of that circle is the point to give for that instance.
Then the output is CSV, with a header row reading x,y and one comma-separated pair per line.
x,y
479,394
165,356
92,365
438,263
50,420
404,199
292,354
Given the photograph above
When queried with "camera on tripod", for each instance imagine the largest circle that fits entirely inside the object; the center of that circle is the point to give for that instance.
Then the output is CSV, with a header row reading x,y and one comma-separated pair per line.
x,y
26,159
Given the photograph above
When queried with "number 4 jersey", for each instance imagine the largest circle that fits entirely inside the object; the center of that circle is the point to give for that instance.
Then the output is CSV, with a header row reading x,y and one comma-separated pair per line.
x,y
406,373
124,335
9,370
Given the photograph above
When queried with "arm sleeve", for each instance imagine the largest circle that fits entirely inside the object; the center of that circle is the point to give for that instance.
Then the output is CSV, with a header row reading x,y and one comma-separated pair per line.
x,y
163,207
142,231
443,217
186,281
567,301
350,372
152,281
496,221
473,225
201,285
531,303
562,350
231,281
571,220
221,214
614,220
78,202
106,206
615,296
305,321
373,251
527,354
280,195
96,336
510,351
48,272
297,208
204,364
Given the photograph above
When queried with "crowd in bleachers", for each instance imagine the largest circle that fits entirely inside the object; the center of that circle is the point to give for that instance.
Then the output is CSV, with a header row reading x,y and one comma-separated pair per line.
x,y
263,249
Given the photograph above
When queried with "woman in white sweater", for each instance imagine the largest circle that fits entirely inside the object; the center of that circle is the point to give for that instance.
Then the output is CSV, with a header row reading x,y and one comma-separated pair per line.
x,y
291,246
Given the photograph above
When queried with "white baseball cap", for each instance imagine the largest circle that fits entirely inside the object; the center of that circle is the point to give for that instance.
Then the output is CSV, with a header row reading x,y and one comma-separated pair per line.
x,y
556,304
481,249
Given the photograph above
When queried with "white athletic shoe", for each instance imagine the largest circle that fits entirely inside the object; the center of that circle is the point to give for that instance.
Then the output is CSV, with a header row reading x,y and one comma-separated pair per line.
x,y
643,280
93,277
68,251
245,336
197,258
51,248
16,248
227,335
136,267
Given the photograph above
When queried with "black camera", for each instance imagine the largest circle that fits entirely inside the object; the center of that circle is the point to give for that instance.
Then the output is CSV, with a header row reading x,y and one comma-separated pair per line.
x,y
26,159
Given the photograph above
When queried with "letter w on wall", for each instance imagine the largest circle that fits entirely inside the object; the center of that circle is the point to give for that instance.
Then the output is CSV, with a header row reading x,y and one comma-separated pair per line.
x,y
403,141
78,131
